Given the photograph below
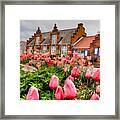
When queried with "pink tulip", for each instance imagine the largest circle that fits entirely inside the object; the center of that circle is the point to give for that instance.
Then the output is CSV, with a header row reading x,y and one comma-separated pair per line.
x,y
70,78
65,69
53,84
59,95
67,57
64,60
75,72
88,74
35,57
59,63
23,57
96,75
95,97
32,94
69,89
29,55
30,62
98,89
90,64
69,52
75,54
49,61
38,59
79,56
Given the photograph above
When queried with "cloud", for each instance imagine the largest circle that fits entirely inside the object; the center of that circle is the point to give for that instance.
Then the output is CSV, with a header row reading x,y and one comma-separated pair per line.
x,y
28,27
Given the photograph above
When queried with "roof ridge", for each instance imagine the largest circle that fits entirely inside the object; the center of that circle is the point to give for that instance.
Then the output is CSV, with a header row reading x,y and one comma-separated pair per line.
x,y
60,30
67,29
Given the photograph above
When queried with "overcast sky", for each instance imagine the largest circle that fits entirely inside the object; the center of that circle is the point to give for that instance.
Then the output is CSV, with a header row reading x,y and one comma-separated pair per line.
x,y
28,27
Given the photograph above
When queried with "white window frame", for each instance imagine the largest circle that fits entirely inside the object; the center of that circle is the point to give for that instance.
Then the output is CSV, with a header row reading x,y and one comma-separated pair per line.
x,y
64,49
86,52
96,50
53,49
54,39
45,48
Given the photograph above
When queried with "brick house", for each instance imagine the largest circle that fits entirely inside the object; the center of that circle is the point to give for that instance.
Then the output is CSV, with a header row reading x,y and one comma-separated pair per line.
x,y
58,42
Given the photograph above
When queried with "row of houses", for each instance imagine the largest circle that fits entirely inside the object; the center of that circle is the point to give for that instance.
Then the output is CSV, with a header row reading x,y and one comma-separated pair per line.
x,y
58,42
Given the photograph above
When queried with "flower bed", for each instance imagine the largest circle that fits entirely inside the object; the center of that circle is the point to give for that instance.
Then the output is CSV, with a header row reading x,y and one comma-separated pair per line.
x,y
58,78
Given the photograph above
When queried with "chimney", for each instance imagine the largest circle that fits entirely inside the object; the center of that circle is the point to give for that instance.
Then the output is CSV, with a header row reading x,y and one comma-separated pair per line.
x,y
80,25
38,30
55,28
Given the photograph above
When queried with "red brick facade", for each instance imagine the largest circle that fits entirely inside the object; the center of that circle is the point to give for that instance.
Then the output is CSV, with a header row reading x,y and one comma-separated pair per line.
x,y
58,42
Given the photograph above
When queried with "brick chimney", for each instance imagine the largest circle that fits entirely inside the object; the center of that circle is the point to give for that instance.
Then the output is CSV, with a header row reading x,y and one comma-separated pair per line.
x,y
38,30
55,28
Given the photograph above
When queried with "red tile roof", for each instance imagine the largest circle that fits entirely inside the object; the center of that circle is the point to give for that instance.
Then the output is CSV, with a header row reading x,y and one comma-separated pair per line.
x,y
84,42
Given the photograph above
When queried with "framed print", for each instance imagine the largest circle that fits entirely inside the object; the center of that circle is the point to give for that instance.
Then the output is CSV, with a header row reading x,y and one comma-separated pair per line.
x,y
60,60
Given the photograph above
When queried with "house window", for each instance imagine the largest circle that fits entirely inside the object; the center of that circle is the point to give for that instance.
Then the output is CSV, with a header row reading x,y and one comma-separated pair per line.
x,y
82,53
37,40
54,39
53,50
44,48
64,49
86,53
96,51
99,51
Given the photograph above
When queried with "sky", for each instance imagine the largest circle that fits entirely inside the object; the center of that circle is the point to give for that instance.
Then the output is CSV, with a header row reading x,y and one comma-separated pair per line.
x,y
28,27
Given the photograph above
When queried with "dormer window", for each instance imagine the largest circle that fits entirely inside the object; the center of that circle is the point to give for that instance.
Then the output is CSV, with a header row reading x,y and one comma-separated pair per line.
x,y
54,38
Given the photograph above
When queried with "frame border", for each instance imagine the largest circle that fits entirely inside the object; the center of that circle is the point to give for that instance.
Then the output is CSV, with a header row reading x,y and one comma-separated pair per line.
x,y
2,55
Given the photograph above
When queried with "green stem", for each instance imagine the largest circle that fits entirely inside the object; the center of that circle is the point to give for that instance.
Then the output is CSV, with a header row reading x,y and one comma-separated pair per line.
x,y
87,82
53,94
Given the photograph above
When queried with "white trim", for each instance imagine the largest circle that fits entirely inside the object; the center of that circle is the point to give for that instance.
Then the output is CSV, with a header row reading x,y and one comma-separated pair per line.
x,y
78,41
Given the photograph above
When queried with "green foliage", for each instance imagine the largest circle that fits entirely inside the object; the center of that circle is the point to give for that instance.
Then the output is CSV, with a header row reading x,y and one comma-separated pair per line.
x,y
25,61
40,79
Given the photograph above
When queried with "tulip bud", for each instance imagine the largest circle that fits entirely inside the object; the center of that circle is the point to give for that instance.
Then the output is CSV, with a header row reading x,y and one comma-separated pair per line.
x,y
69,52
59,95
32,94
98,89
35,57
95,97
30,62
96,75
53,84
65,69
88,74
69,89
70,78
75,72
